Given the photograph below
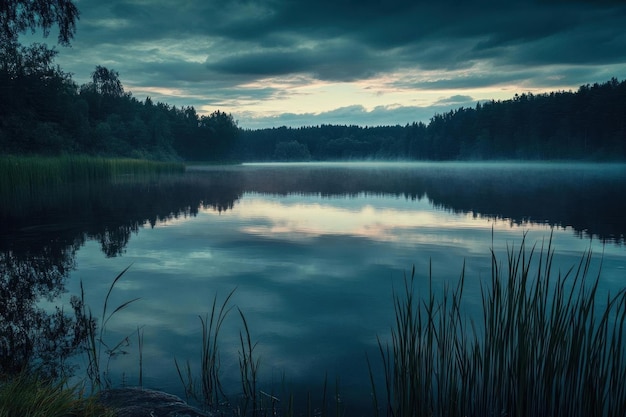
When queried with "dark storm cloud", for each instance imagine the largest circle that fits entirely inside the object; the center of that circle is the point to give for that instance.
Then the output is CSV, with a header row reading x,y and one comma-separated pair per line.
x,y
220,48
336,61
188,72
422,34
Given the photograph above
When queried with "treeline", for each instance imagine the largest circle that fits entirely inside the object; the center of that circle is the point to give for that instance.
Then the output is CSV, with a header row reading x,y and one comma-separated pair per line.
x,y
589,124
44,112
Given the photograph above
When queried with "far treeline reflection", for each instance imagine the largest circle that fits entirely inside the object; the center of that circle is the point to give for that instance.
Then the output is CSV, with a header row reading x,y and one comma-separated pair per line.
x,y
586,198
40,235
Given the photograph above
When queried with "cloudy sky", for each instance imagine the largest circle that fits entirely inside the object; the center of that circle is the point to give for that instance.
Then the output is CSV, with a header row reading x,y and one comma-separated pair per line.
x,y
366,62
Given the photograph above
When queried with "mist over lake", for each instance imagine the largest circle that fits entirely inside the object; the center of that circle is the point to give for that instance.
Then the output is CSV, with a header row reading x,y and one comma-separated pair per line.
x,y
313,252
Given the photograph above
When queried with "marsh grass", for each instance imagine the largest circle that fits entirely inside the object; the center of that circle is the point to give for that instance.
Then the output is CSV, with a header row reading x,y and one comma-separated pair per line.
x,y
26,174
546,346
140,349
206,387
286,403
248,368
97,372
29,395
211,391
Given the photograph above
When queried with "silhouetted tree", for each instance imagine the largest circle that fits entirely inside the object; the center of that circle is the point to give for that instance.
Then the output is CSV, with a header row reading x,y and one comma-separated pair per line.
x,y
18,16
36,101
107,82
220,131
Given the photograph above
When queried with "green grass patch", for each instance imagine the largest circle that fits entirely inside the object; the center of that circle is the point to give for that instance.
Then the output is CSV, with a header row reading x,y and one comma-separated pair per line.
x,y
27,173
29,395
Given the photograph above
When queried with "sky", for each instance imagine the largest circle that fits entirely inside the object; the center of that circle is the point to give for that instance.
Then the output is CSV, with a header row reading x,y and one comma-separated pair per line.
x,y
274,63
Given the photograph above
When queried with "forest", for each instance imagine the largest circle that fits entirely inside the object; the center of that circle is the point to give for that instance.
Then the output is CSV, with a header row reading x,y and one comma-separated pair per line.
x,y
589,124
44,112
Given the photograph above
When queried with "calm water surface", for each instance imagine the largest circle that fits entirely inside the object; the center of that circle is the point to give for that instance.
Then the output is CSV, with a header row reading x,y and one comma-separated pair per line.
x,y
314,252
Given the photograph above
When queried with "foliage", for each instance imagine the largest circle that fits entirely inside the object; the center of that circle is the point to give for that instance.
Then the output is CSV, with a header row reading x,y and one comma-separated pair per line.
x,y
31,395
43,112
211,391
106,82
544,347
248,368
18,16
582,125
26,174
97,372
205,138
210,359
291,151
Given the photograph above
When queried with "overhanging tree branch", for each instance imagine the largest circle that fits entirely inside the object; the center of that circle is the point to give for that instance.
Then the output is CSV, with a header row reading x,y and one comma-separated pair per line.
x,y
18,16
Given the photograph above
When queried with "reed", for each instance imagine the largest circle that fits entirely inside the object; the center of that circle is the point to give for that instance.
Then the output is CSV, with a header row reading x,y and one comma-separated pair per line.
x,y
545,346
248,368
140,349
187,380
98,374
25,174
29,395
211,391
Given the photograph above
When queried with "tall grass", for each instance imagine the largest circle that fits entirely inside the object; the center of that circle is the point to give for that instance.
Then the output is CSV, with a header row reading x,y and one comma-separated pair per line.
x,y
97,371
248,368
210,360
211,391
29,395
26,173
545,346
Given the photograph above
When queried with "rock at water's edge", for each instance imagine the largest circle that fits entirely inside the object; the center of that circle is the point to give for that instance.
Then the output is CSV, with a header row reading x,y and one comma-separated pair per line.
x,y
139,402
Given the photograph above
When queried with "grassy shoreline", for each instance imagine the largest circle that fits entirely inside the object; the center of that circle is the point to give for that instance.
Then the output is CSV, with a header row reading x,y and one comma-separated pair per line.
x,y
29,395
31,172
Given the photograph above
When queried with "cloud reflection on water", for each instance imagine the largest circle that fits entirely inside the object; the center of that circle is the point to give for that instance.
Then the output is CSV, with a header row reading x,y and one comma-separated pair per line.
x,y
379,218
313,274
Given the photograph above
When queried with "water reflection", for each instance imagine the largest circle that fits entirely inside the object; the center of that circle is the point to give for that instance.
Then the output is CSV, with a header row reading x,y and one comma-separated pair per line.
x,y
302,217
40,233
589,198
312,249
316,295
586,197
29,335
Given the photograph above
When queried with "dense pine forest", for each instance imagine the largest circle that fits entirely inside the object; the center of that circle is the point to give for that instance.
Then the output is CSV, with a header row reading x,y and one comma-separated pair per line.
x,y
589,124
44,112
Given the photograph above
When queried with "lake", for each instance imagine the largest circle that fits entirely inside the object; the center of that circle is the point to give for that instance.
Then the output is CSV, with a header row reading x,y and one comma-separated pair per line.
x,y
313,252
